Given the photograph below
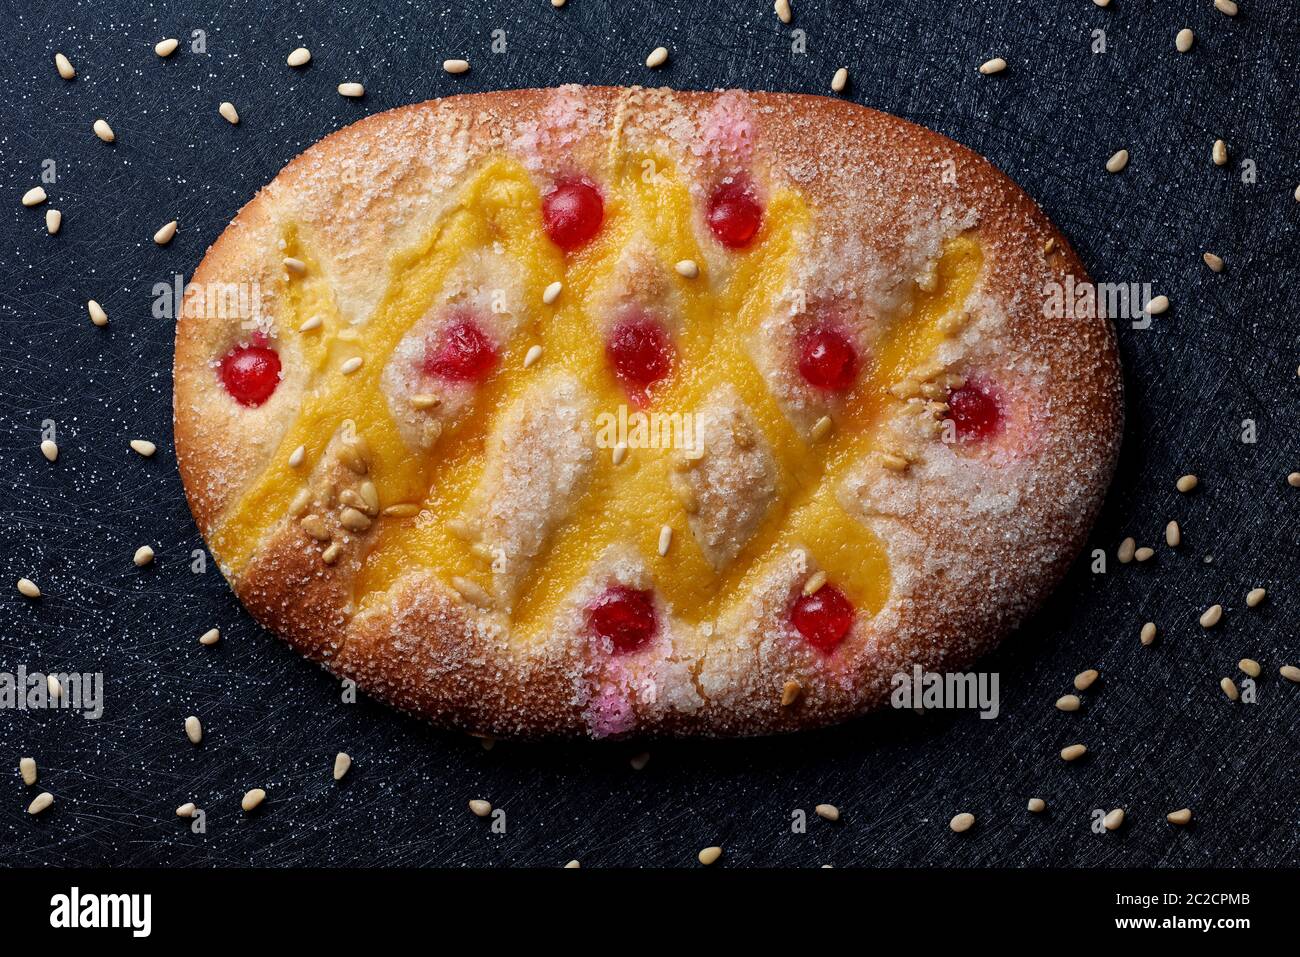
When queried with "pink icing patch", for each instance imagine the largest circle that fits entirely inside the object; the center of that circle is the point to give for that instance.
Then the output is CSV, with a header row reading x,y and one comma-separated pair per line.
x,y
610,712
727,130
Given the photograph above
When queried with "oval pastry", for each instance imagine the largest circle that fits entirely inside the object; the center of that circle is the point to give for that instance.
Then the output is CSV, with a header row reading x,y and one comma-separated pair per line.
x,y
616,411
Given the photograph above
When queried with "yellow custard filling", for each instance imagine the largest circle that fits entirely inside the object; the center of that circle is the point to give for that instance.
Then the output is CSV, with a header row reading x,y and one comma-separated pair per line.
x,y
500,208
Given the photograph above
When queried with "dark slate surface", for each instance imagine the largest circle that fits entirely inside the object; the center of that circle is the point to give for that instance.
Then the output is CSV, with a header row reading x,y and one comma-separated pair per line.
x,y
1161,734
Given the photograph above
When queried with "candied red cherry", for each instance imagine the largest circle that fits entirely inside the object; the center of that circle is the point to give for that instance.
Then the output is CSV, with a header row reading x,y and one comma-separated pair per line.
x,y
823,618
976,411
251,372
463,353
624,616
641,354
734,214
572,213
828,359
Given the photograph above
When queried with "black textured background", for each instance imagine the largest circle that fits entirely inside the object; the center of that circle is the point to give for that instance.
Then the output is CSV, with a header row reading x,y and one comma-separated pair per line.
x,y
1161,734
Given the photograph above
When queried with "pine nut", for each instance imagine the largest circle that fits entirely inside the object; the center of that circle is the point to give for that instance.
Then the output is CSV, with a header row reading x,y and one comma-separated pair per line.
x,y
1173,535
783,12
1084,679
1148,635
552,292
27,588
1250,666
64,66
480,808
996,65
165,48
210,637
962,822
687,268
1037,805
193,729
1157,306
657,58
143,556
1290,672
342,762
352,90
1254,597
166,233
827,812
187,809
104,131
1114,819
709,855
252,799
27,768
41,802
1073,752
455,66
34,196
50,450
1214,262
1117,161
1181,816
1229,688
1211,616
299,57
840,80
1219,153
1187,483
1183,41
53,221
790,692
229,113
97,314
1067,702
1227,7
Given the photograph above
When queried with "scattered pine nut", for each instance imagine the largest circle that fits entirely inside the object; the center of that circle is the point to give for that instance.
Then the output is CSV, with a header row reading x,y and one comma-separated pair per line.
x,y
342,762
1226,7
310,323
687,268
1157,305
97,314
210,637
229,113
296,456
1293,480
657,58
1102,3
709,855
574,864
41,802
783,12
1290,672
50,450
53,221
821,428
1184,40
1144,554
56,689
619,453
1219,153
34,196
187,809
1117,161
351,90
1073,752
1173,535
1037,805
27,588
1084,679
455,66
104,131
1211,616
827,812
165,234
790,692
143,447
996,65
193,729
299,57
1187,483
962,822
480,808
1148,634
840,80
814,583
351,365
1214,262
665,539
532,355
1229,688
143,555
1068,702
165,48
1250,666
1127,549
1181,816
552,292
1114,819
1254,597
252,799
27,768
64,66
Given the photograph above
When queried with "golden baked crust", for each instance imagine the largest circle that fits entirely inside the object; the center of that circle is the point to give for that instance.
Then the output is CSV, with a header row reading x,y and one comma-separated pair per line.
x,y
404,214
